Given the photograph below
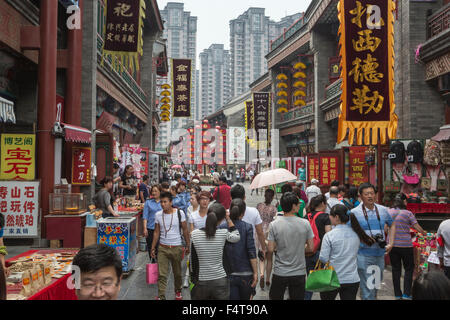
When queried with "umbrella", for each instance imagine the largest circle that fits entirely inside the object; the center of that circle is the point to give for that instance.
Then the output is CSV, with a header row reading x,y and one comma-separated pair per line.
x,y
176,166
272,177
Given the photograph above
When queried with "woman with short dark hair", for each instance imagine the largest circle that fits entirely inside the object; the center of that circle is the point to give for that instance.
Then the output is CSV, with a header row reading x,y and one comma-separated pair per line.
x,y
207,271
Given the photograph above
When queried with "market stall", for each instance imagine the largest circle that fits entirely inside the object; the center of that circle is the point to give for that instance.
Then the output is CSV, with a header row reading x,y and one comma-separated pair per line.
x,y
419,169
40,275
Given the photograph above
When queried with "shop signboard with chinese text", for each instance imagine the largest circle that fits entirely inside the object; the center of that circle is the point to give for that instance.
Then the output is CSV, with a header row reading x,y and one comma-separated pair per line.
x,y
358,169
236,144
249,121
81,166
144,161
367,61
19,203
261,117
313,168
181,84
18,160
124,30
329,169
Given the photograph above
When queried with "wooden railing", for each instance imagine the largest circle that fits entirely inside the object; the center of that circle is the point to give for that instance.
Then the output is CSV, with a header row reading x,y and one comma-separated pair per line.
x,y
439,21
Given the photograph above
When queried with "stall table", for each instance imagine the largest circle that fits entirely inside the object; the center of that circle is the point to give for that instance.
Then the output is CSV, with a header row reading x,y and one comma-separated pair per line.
x,y
430,215
68,228
57,289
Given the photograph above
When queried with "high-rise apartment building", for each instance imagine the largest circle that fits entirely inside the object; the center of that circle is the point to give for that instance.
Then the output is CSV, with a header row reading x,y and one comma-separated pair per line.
x,y
250,36
180,30
215,79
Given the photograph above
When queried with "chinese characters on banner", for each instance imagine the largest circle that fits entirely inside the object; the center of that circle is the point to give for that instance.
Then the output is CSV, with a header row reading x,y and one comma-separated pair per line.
x,y
313,168
181,84
358,170
249,121
81,166
17,156
367,60
236,144
261,117
144,161
19,203
123,33
328,170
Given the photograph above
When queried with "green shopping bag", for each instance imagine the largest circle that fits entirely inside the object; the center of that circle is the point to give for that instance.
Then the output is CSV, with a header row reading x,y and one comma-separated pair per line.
x,y
322,280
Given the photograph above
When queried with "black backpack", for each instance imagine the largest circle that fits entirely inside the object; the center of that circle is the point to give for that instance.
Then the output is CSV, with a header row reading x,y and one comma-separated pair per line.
x,y
397,154
414,152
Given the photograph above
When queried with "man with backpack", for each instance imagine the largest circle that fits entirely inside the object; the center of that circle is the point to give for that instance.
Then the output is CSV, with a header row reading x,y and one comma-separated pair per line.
x,y
320,224
289,237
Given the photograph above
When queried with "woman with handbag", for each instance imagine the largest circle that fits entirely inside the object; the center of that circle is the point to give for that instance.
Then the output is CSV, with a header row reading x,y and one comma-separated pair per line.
x,y
403,250
340,249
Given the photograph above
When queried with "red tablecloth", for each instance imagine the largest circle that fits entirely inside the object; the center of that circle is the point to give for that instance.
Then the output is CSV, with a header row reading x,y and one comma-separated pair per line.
x,y
429,208
57,290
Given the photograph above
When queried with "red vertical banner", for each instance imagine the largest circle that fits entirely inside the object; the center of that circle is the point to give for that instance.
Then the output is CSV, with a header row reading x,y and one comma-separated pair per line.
x,y
144,161
329,169
313,168
358,170
81,166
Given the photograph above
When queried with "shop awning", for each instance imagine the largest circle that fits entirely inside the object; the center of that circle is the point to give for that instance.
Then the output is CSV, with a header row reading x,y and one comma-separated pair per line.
x,y
76,134
443,135
7,111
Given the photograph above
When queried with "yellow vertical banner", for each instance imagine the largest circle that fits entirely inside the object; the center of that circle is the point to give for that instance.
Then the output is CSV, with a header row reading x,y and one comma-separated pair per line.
x,y
18,160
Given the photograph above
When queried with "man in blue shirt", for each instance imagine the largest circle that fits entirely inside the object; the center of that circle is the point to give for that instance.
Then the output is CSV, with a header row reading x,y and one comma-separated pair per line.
x,y
151,207
372,218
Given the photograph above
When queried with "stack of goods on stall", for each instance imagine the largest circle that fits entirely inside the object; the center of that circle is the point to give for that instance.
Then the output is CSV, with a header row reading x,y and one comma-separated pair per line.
x,y
30,274
426,252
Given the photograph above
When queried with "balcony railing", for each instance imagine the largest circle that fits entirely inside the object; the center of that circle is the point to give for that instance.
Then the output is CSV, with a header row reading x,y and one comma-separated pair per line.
x,y
439,21
288,33
333,89
124,74
296,113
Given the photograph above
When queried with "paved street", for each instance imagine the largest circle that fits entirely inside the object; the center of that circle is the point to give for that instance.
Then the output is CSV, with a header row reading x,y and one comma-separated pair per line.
x,y
134,286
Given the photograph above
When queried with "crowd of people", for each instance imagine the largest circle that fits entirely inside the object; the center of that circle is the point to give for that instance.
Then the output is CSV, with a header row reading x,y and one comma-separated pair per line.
x,y
232,247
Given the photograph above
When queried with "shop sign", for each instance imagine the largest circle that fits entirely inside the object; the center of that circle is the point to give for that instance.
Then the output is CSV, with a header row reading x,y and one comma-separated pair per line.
x,y
124,30
313,168
249,120
18,160
367,60
19,203
81,166
328,170
144,161
358,169
438,67
181,84
236,144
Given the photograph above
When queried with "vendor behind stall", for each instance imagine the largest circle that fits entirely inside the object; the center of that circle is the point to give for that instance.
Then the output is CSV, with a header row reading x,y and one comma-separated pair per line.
x,y
103,198
129,183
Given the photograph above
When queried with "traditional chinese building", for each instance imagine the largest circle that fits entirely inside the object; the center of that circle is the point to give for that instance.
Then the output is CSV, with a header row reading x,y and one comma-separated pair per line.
x,y
94,102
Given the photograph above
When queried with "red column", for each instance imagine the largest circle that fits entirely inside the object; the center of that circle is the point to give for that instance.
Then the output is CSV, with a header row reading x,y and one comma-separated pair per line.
x,y
73,89
47,100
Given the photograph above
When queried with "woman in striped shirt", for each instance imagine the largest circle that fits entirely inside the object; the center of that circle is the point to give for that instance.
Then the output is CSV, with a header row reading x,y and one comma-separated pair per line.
x,y
207,271
402,251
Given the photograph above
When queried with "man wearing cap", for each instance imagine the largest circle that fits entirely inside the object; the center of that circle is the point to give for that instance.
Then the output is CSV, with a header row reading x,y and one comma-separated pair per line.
x,y
313,190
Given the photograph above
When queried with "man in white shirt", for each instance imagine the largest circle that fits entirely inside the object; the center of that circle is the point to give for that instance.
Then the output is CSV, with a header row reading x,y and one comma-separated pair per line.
x,y
168,227
443,236
334,194
313,190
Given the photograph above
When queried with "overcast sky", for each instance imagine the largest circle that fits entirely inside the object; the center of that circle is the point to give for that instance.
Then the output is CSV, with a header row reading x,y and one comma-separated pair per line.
x,y
214,15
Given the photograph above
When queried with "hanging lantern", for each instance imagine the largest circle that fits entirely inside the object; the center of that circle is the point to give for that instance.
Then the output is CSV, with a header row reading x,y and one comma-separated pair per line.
x,y
299,74
282,76
299,65
282,110
299,84
299,93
